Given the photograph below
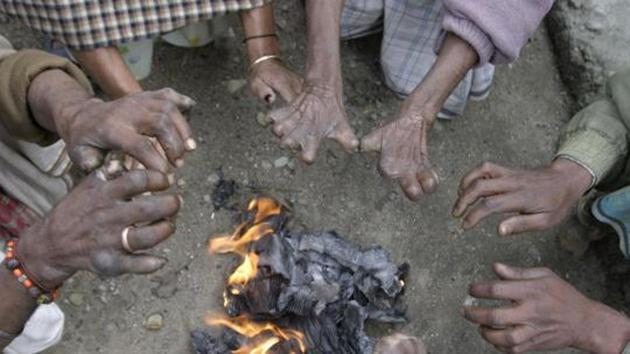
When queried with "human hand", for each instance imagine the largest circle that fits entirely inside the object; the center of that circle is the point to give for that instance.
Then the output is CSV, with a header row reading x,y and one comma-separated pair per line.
x,y
128,124
404,154
84,230
316,113
546,313
541,197
272,76
400,344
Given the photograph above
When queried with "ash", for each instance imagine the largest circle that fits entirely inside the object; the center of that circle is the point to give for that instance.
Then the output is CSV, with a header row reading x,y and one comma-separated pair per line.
x,y
317,283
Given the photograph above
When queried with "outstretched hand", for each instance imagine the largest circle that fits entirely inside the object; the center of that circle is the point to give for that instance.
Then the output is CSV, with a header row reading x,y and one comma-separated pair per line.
x,y
404,154
545,313
316,113
84,231
128,124
541,198
271,77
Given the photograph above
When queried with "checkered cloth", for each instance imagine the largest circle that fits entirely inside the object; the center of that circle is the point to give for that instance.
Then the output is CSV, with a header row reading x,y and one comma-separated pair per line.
x,y
15,217
410,31
89,24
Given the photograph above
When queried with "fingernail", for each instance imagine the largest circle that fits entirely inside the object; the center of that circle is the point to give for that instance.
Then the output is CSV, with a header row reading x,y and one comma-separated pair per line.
x,y
504,230
191,144
179,162
181,200
171,178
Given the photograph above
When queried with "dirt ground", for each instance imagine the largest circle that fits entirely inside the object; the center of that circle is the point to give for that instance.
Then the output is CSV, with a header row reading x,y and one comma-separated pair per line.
x,y
517,126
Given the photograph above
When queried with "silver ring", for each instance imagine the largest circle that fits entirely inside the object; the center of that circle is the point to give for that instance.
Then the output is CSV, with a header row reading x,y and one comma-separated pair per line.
x,y
125,240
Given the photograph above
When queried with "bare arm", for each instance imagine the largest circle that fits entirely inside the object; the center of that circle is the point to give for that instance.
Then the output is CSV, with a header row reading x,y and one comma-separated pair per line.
x,y
318,112
403,142
16,306
107,67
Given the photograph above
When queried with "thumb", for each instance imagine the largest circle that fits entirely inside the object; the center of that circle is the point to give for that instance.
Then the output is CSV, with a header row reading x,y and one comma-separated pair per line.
x,y
506,272
344,135
263,91
88,158
373,141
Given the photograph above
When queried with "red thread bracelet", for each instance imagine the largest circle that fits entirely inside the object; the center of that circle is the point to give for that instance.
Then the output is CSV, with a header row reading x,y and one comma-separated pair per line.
x,y
40,293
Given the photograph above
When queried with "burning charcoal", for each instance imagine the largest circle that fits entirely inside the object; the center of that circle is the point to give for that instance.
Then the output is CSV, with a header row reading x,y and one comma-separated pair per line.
x,y
223,191
204,343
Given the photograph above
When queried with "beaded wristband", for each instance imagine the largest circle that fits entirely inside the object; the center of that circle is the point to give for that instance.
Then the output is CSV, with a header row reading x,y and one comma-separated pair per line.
x,y
41,294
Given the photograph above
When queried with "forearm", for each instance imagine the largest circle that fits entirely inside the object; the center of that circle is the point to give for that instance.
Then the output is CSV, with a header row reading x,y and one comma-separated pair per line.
x,y
454,60
107,67
53,95
259,22
16,306
323,27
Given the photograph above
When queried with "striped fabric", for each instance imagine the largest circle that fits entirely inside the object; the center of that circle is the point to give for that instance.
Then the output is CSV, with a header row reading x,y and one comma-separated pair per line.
x,y
89,24
410,32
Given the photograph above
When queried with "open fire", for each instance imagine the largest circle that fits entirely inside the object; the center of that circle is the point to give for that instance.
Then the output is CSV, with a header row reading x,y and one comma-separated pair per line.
x,y
299,292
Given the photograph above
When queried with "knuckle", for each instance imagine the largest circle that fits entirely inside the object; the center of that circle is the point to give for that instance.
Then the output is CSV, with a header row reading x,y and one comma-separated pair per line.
x,y
139,179
512,339
495,318
487,166
168,107
495,289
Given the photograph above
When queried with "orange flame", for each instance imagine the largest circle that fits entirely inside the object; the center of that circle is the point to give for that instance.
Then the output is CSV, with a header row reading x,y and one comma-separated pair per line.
x,y
238,243
249,329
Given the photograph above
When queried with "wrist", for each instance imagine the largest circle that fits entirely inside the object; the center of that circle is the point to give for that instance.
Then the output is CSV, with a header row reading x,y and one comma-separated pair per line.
x,y
66,115
35,257
260,47
575,176
605,330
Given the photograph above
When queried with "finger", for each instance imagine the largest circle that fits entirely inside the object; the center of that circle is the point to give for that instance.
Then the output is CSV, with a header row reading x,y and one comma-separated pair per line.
x,y
373,141
88,158
142,238
280,114
492,317
344,135
508,338
170,140
149,208
262,91
429,180
141,264
480,188
503,203
515,273
411,187
498,290
166,108
486,170
524,223
285,127
309,149
142,149
183,102
136,182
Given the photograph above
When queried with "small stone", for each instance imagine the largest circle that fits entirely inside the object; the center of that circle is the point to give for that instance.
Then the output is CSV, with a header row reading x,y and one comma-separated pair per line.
x,y
154,322
266,165
291,164
213,178
234,86
391,196
206,198
281,162
595,26
181,182
263,119
76,299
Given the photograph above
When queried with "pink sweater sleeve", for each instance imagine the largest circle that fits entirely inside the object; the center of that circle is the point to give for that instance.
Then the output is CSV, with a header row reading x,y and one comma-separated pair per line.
x,y
497,29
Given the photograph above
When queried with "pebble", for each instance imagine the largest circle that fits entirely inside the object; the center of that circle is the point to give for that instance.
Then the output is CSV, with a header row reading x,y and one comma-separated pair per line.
x,y
266,165
263,119
206,198
234,86
154,322
213,178
76,299
281,162
181,182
